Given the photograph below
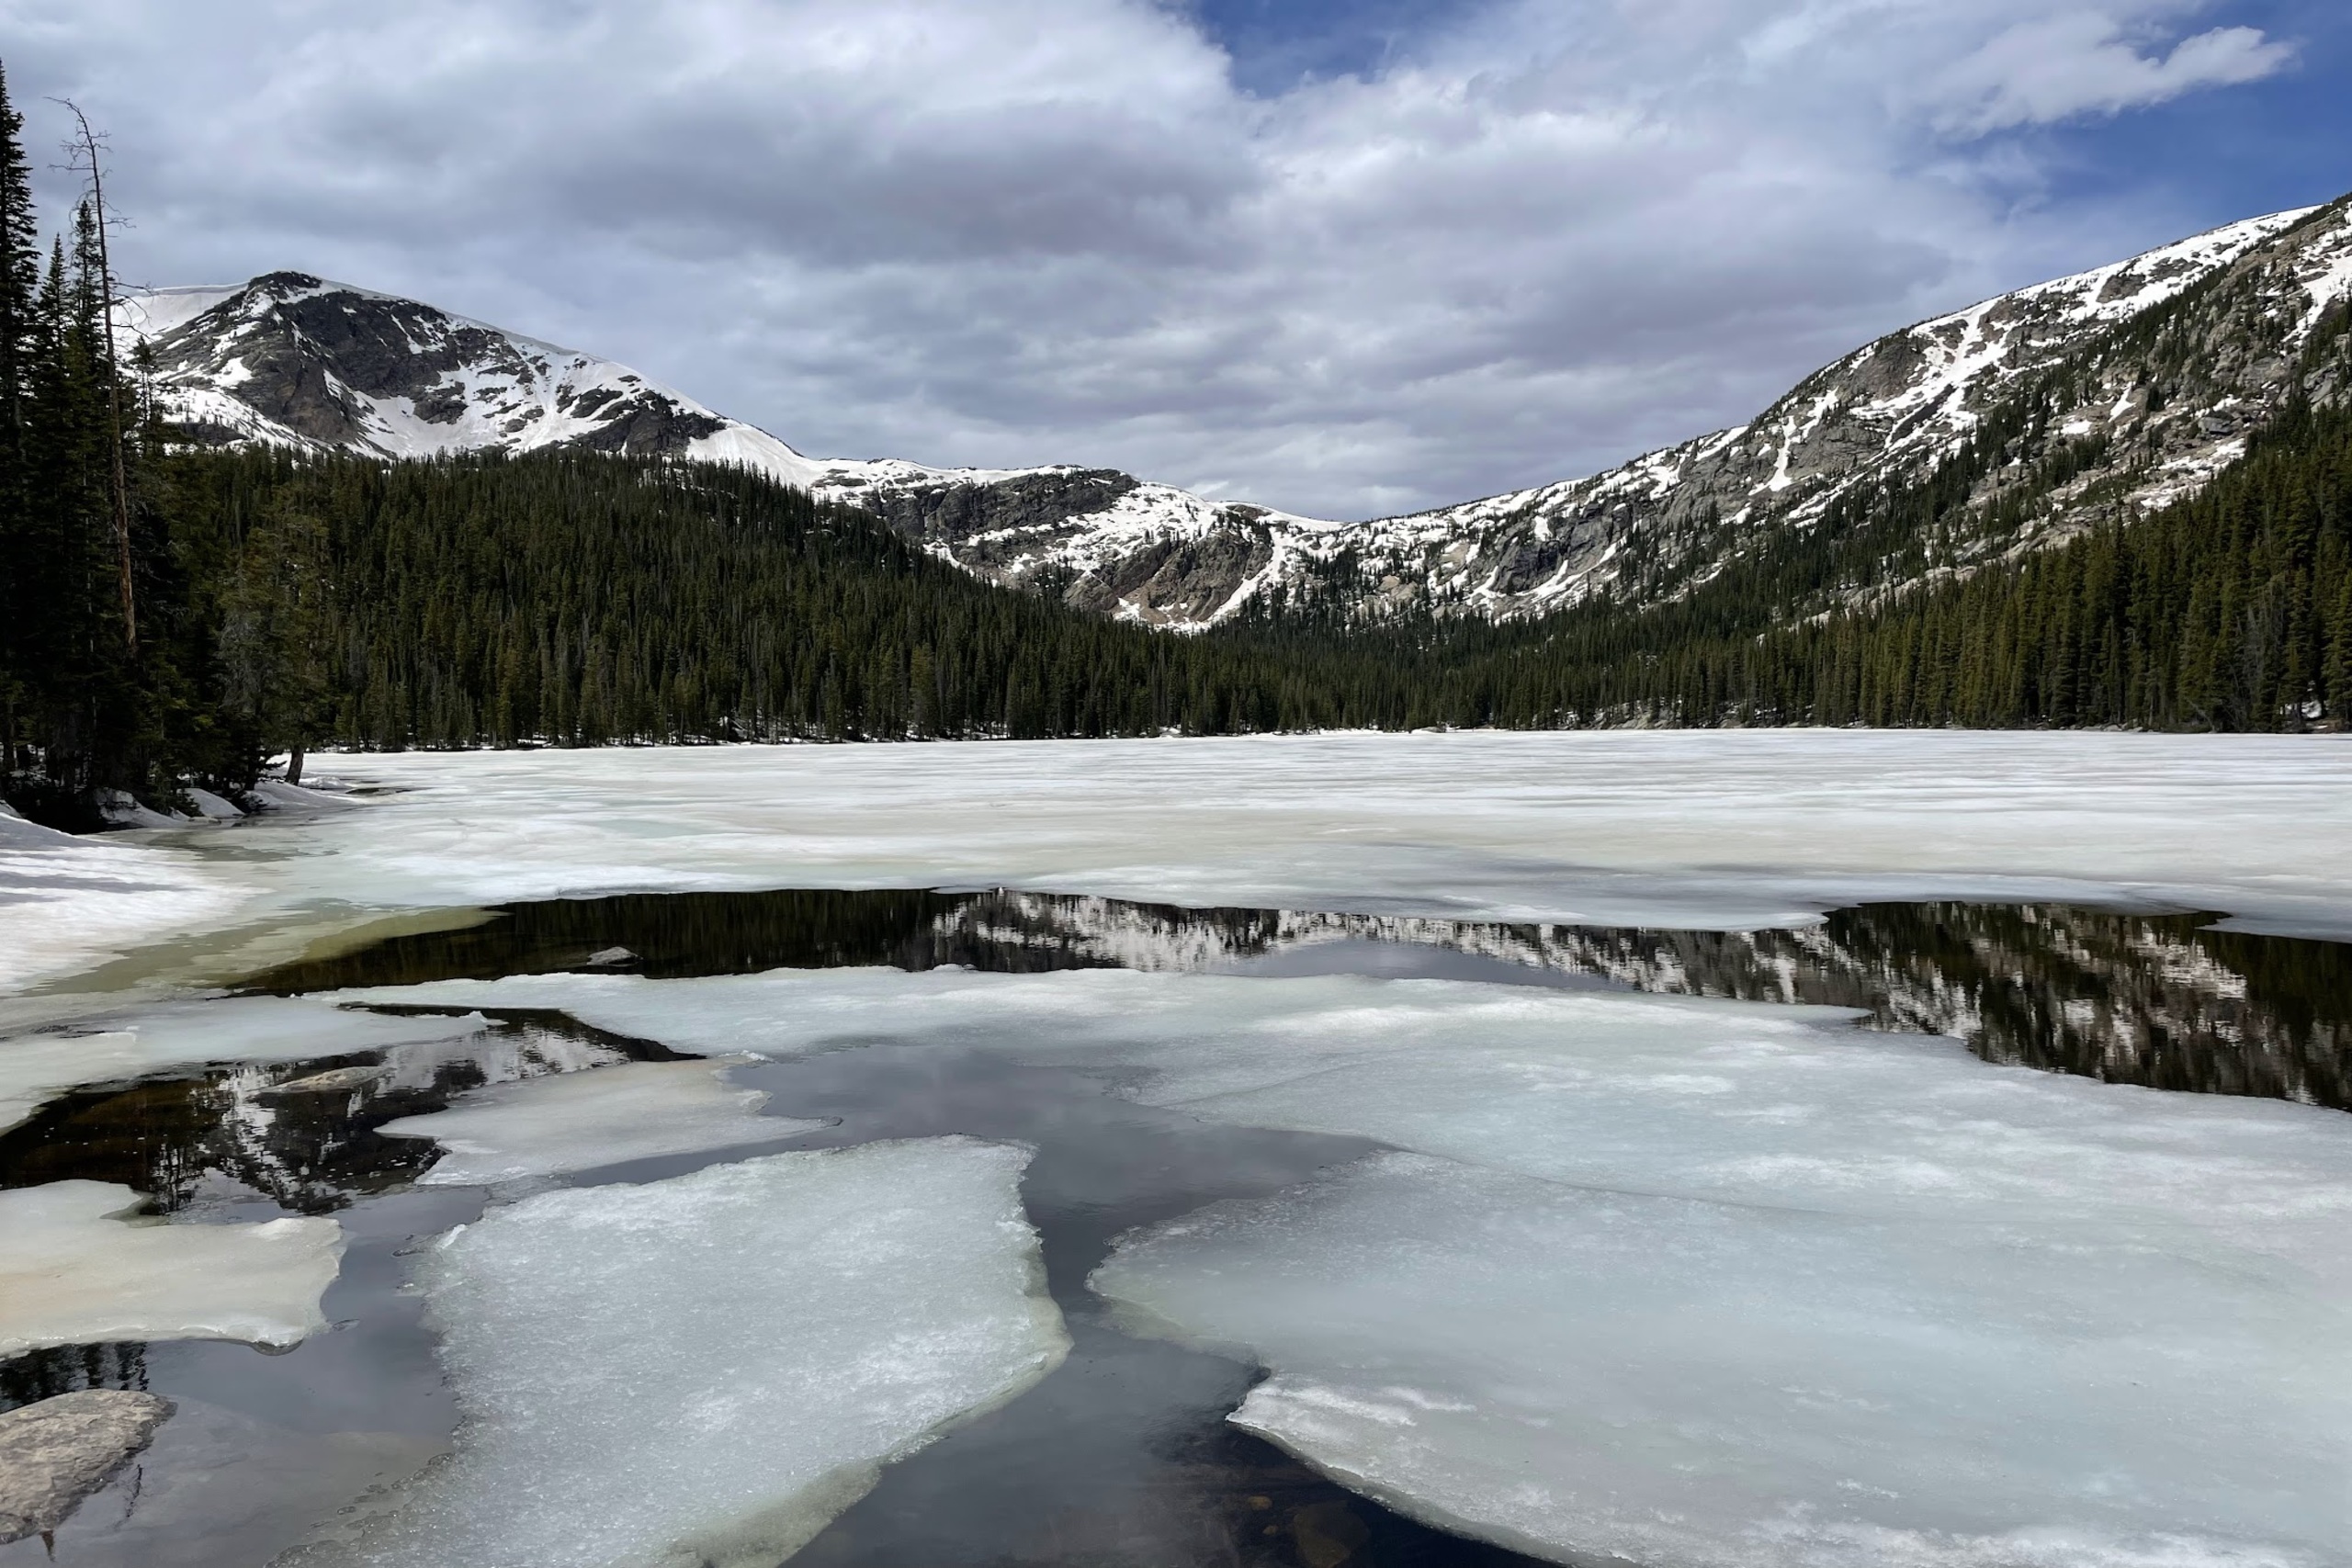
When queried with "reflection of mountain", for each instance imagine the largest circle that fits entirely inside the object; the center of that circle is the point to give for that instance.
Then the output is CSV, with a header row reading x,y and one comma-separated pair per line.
x,y
2137,999
230,1134
2154,999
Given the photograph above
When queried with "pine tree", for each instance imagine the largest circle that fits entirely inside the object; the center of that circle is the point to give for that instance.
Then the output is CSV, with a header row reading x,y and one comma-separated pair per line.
x,y
19,291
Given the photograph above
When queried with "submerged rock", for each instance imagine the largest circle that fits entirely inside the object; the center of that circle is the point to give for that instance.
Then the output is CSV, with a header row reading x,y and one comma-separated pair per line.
x,y
56,1452
333,1081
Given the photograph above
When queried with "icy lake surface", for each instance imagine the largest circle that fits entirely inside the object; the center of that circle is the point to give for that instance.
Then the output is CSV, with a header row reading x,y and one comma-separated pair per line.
x,y
1692,1282
1697,829
1415,1082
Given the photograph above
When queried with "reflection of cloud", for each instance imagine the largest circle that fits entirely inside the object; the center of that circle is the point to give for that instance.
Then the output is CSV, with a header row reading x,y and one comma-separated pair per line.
x,y
1531,242
2037,72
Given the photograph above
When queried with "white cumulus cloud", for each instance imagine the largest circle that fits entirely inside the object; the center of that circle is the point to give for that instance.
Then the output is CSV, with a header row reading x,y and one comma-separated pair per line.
x,y
2082,63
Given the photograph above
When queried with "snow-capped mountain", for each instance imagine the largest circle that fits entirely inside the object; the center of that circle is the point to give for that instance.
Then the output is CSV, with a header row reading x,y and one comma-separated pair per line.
x,y
2154,370
2173,357
290,359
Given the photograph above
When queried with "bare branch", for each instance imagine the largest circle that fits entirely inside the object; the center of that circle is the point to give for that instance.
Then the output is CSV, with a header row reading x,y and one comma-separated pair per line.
x,y
91,144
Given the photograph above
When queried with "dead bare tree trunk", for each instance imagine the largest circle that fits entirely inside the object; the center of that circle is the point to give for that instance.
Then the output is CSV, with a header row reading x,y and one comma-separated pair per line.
x,y
121,482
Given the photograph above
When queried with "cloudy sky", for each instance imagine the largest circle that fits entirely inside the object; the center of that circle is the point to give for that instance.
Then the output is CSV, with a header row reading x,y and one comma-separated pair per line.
x,y
1342,258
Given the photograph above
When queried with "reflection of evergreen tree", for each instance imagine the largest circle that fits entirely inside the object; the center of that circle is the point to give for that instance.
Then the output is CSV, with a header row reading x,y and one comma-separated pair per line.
x,y
35,1375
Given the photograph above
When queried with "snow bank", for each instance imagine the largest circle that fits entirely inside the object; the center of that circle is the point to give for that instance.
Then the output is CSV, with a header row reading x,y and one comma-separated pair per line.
x,y
1696,1281
215,808
77,1271
706,1370
579,1120
37,1068
1726,830
277,795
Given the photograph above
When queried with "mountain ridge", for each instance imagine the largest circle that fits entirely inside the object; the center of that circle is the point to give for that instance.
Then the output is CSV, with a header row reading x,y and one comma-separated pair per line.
x,y
291,359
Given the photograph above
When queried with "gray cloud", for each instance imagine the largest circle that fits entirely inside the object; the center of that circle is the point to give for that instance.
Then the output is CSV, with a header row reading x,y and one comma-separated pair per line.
x,y
1058,230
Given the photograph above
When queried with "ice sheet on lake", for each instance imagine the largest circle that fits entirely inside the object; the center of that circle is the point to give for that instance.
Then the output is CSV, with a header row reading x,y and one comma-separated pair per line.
x,y
1580,1372
78,1269
706,1370
36,1067
1738,1102
578,1120
68,902
1835,1241
1726,830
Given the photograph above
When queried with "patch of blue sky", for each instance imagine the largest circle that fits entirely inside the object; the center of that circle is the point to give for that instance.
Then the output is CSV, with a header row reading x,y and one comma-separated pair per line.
x,y
2214,155
1276,44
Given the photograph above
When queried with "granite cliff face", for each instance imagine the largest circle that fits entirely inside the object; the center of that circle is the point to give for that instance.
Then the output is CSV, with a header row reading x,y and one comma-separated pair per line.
x,y
2142,379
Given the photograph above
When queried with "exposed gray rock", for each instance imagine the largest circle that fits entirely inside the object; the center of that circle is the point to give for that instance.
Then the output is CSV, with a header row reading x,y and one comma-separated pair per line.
x,y
322,363
56,1452
988,526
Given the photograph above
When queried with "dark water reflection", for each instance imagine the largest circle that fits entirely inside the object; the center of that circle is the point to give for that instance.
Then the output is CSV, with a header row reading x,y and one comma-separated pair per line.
x,y
239,1136
1123,1456
2161,999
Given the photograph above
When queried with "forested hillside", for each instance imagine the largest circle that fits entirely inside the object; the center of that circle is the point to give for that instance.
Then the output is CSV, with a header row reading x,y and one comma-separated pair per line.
x,y
576,597
2230,610
85,688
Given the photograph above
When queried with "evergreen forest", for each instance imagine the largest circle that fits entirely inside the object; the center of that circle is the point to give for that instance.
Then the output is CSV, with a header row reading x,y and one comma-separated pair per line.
x,y
173,615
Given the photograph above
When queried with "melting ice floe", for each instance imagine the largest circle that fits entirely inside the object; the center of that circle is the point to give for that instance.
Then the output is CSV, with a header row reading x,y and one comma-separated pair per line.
x,y
38,1066
1699,1282
706,1370
78,1269
578,1120
1580,1372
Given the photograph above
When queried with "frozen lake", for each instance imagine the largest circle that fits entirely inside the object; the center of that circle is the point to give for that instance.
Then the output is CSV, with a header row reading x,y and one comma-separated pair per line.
x,y
1703,1148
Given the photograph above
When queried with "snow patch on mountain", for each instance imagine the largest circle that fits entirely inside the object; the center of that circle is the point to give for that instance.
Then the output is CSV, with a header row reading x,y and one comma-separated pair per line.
x,y
1898,407
291,359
